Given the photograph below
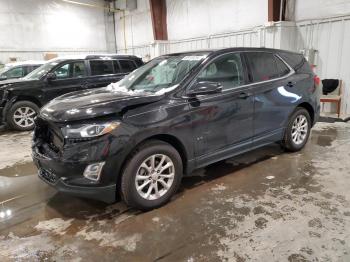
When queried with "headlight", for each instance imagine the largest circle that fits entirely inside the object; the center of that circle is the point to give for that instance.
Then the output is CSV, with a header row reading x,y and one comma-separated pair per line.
x,y
89,130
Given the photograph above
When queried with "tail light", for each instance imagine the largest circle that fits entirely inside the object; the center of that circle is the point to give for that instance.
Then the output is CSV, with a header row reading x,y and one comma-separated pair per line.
x,y
317,80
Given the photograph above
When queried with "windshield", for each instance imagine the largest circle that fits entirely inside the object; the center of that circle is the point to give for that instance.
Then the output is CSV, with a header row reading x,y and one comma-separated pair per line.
x,y
41,70
159,75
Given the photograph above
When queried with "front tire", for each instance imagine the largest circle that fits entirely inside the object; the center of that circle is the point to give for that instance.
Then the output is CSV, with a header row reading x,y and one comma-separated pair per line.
x,y
151,176
21,115
298,130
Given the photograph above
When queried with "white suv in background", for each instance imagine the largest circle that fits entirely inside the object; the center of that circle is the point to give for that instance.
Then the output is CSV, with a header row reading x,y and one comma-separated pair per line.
x,y
18,69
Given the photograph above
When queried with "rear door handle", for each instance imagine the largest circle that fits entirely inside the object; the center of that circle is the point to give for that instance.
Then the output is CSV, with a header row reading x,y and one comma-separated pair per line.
x,y
290,84
243,95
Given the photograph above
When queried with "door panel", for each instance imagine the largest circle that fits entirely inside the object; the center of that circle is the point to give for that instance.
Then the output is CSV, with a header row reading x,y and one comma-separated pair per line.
x,y
70,77
273,95
223,122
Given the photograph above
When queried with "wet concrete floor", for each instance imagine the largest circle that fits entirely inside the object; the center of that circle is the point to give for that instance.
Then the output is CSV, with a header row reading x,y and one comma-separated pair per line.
x,y
266,205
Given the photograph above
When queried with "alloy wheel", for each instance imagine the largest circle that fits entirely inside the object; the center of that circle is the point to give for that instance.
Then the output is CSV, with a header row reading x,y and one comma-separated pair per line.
x,y
24,116
299,129
155,176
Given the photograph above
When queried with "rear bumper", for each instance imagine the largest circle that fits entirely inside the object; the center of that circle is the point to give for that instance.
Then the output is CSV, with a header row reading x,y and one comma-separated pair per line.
x,y
68,178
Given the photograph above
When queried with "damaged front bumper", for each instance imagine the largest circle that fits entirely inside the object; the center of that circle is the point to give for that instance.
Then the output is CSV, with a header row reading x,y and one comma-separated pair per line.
x,y
68,178
63,165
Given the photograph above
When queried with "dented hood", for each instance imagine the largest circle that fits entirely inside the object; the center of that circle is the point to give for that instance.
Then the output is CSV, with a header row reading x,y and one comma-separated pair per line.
x,y
93,103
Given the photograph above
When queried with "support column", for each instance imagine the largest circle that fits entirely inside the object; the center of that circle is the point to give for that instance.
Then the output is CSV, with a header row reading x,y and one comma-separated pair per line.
x,y
159,21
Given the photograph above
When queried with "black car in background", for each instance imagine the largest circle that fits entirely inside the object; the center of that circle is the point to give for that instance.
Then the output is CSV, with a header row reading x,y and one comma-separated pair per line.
x,y
177,113
18,69
20,99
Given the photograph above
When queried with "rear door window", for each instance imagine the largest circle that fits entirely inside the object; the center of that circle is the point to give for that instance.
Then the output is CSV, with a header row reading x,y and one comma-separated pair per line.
x,y
127,65
101,67
266,66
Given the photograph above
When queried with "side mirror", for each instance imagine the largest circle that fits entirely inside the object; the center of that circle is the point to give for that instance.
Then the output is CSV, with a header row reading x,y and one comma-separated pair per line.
x,y
51,76
3,77
205,88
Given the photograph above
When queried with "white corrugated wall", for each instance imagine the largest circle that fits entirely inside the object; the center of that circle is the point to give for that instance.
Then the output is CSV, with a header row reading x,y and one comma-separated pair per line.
x,y
30,28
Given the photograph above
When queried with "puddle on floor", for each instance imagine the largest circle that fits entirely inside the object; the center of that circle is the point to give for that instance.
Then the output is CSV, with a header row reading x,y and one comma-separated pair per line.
x,y
19,170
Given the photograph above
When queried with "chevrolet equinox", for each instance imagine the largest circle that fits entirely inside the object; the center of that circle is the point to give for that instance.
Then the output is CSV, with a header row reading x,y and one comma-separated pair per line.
x,y
136,138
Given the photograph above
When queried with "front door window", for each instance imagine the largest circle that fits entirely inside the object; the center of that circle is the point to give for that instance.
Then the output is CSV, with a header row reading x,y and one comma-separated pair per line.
x,y
226,70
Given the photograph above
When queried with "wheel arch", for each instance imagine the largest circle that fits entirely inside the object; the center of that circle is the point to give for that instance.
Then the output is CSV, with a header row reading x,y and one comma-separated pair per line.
x,y
310,110
21,98
167,138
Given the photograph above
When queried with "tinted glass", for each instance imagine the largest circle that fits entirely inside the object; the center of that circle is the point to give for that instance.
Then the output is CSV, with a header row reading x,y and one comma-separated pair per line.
x,y
297,61
266,66
116,67
101,67
27,70
71,70
227,70
15,72
127,65
78,69
281,67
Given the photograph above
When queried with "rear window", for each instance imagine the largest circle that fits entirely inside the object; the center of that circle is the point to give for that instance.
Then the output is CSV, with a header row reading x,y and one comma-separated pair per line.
x,y
127,65
101,67
266,66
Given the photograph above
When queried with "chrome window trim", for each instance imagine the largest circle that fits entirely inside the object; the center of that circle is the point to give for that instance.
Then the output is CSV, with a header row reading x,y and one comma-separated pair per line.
x,y
291,72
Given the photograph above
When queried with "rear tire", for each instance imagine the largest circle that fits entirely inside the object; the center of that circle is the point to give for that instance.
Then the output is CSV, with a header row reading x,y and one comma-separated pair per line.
x,y
298,130
21,115
151,176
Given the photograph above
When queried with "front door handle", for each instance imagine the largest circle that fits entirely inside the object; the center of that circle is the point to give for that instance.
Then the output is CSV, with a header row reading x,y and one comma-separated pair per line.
x,y
243,95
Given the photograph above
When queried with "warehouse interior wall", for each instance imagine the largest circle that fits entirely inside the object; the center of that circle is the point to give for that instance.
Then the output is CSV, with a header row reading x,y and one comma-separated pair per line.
x,y
316,9
134,27
196,18
32,27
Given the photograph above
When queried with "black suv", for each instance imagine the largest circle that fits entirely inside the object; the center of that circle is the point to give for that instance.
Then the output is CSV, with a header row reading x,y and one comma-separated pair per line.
x,y
177,113
20,99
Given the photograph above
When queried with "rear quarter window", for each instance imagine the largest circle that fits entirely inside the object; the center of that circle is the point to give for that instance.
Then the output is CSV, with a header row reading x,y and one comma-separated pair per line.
x,y
296,61
266,66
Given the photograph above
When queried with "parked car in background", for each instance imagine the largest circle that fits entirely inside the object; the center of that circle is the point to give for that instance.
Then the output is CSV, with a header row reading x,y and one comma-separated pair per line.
x,y
176,113
18,69
20,99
